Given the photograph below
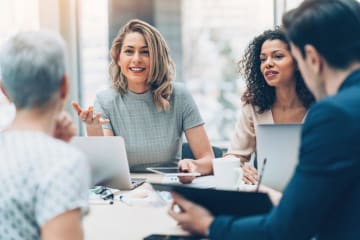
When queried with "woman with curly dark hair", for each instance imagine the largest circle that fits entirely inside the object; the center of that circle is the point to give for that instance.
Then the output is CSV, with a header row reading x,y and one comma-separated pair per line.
x,y
275,93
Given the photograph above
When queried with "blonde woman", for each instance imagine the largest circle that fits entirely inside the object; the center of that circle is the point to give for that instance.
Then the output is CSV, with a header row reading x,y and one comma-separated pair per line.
x,y
144,105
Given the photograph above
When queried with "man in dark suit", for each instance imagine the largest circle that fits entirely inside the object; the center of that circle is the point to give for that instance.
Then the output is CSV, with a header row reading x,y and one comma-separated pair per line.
x,y
322,198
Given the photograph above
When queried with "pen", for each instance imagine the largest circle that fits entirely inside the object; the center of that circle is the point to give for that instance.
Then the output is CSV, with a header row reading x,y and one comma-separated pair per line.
x,y
109,197
261,174
125,200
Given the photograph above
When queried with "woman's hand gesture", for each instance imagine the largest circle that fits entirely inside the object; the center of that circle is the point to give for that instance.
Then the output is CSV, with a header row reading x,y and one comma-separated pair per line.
x,y
87,116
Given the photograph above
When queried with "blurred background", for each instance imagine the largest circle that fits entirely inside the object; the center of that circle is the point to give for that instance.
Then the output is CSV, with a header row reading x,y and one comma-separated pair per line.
x,y
206,40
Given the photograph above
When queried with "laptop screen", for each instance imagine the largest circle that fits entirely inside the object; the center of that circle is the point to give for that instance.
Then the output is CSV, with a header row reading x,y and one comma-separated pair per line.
x,y
107,158
279,144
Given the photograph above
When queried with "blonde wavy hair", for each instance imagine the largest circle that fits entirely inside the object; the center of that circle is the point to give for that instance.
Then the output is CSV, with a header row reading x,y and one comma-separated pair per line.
x,y
162,68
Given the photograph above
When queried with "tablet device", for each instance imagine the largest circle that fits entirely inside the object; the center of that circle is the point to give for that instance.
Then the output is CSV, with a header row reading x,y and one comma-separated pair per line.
x,y
222,202
172,171
172,237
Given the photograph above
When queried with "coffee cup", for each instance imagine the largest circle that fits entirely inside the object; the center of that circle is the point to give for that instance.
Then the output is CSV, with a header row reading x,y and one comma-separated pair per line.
x,y
227,172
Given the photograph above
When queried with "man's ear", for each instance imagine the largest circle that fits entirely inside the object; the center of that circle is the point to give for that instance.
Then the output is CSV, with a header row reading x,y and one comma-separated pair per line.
x,y
313,59
2,89
64,87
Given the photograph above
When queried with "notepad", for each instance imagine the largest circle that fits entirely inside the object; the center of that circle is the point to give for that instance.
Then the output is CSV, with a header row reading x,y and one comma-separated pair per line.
x,y
222,202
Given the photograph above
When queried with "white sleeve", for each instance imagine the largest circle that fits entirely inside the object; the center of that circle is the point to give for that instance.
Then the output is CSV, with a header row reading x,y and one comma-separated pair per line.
x,y
243,141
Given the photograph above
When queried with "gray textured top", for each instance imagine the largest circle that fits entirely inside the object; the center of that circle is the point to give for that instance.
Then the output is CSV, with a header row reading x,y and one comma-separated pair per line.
x,y
152,138
40,178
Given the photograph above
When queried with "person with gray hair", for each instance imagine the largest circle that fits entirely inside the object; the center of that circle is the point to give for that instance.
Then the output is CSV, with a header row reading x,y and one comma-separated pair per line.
x,y
42,197
33,73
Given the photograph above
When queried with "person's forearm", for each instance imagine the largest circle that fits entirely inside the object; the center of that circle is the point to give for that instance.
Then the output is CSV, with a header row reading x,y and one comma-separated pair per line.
x,y
243,159
204,165
94,131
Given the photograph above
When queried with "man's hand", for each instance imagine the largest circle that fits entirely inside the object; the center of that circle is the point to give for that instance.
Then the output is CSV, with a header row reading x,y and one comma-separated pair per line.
x,y
191,217
275,196
64,127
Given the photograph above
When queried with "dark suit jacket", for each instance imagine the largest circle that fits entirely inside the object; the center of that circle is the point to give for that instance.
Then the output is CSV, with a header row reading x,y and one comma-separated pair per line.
x,y
323,197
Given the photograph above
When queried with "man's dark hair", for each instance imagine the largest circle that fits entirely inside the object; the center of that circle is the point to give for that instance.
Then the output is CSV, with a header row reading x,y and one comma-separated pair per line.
x,y
331,26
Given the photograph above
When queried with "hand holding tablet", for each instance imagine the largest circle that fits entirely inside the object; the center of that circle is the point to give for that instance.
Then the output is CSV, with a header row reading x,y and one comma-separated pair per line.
x,y
172,171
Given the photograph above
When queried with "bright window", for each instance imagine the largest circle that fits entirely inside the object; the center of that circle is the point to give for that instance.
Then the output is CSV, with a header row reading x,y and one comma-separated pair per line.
x,y
94,48
215,34
15,16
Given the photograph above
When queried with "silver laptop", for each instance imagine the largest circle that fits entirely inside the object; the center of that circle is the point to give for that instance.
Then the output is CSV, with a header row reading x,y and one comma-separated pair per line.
x,y
108,161
279,144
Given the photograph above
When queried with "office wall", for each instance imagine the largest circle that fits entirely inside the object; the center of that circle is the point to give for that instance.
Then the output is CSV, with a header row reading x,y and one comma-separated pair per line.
x,y
122,11
168,19
165,15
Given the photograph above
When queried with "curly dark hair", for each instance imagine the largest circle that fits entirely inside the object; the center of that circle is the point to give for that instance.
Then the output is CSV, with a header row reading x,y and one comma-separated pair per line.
x,y
258,92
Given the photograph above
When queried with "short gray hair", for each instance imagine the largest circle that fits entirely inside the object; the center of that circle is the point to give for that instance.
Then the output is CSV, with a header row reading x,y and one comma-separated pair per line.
x,y
32,67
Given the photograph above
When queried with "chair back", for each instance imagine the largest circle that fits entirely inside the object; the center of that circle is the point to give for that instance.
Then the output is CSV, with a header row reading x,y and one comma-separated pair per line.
x,y
187,153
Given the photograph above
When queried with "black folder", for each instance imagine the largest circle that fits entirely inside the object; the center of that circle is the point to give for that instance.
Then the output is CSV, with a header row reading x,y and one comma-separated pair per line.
x,y
222,202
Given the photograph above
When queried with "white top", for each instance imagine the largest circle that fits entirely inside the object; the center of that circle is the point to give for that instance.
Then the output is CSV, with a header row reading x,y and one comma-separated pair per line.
x,y
243,141
40,178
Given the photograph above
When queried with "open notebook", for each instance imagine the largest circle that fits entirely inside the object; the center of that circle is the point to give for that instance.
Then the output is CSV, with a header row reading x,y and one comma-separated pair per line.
x,y
222,202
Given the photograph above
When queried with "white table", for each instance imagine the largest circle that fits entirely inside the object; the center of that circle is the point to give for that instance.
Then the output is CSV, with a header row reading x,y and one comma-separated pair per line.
x,y
119,221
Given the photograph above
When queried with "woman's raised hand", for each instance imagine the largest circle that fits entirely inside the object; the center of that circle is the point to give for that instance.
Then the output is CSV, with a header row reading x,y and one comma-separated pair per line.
x,y
87,115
